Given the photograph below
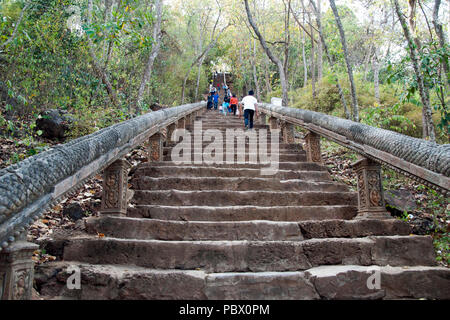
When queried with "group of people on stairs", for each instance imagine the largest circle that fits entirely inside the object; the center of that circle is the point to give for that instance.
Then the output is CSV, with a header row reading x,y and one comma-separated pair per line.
x,y
248,106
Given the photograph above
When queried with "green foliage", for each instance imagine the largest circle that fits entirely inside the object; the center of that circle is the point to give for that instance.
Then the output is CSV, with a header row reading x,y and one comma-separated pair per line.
x,y
431,56
387,117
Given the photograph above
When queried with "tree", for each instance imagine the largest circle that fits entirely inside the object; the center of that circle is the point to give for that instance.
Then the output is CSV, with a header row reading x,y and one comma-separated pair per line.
x,y
347,62
272,57
153,54
428,127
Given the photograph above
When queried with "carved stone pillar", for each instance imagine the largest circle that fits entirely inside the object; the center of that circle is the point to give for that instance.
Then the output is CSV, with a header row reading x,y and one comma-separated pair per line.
x,y
17,271
170,129
181,124
155,147
188,121
115,187
370,190
313,153
288,132
273,123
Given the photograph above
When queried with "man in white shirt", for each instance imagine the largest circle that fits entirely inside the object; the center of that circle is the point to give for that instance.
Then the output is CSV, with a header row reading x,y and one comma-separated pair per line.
x,y
250,106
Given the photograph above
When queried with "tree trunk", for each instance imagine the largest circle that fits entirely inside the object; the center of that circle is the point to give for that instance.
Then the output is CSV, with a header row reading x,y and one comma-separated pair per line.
x,y
347,62
376,82
427,115
319,45
267,76
255,75
153,54
199,71
305,65
96,65
313,66
332,63
269,53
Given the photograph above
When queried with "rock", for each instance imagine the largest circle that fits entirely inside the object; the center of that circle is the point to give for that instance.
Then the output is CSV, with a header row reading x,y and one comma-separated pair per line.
x,y
399,201
156,107
54,123
421,225
74,211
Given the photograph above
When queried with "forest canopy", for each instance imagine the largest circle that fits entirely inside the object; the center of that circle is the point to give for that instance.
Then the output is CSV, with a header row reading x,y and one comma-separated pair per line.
x,y
381,62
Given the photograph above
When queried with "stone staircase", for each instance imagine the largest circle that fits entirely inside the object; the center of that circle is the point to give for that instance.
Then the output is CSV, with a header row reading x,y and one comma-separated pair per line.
x,y
228,232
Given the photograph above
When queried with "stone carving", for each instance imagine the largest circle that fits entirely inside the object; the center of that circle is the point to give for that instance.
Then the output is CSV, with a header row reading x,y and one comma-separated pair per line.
x,y
155,150
374,186
370,189
28,186
361,190
22,285
112,192
16,271
115,186
313,153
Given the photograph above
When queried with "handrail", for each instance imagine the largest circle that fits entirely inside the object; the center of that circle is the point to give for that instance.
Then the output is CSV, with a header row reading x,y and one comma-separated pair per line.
x,y
424,161
29,187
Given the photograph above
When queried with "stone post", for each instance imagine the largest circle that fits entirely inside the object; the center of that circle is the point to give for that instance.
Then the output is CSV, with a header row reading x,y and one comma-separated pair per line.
x,y
155,147
288,132
188,121
370,190
313,153
115,188
273,123
170,129
17,270
181,123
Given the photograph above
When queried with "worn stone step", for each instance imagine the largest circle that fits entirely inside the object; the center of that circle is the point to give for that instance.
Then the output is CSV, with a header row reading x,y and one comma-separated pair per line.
x,y
263,230
168,150
332,283
230,198
135,228
205,171
281,146
232,184
256,256
301,166
126,282
242,213
290,157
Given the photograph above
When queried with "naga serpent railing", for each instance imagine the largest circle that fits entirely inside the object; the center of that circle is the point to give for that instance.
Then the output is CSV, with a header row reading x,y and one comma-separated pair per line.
x,y
424,161
31,186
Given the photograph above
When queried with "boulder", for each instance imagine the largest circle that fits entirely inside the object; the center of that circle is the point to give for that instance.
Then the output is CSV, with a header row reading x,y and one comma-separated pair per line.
x,y
54,123
400,200
74,211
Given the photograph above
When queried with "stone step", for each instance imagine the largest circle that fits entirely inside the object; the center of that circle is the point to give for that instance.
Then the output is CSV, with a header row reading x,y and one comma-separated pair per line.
x,y
206,124
237,156
146,229
255,256
240,198
246,150
205,171
281,146
300,166
242,213
126,282
232,184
